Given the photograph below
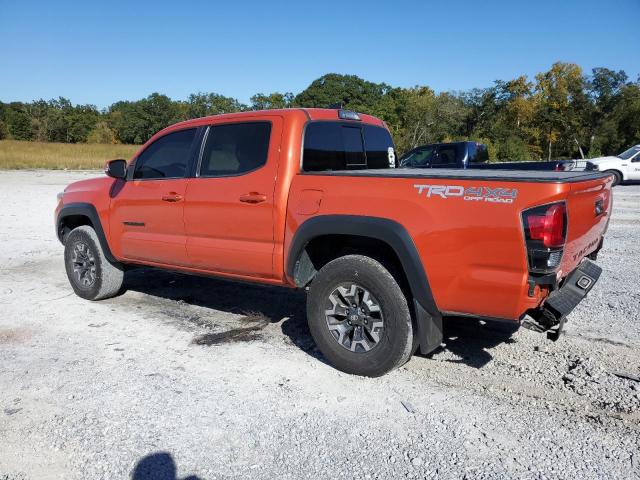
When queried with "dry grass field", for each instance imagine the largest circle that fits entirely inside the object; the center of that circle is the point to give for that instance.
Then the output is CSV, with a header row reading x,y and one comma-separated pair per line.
x,y
19,155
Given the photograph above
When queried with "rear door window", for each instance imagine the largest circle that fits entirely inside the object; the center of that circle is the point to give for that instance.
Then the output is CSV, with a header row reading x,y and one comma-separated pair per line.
x,y
235,149
346,146
447,155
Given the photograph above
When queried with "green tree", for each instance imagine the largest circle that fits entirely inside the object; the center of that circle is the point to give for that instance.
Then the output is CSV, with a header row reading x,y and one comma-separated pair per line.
x,y
137,122
626,118
19,123
205,104
349,91
101,133
563,108
274,100
605,89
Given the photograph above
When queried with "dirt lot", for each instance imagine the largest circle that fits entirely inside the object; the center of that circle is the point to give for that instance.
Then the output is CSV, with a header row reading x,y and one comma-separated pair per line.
x,y
185,376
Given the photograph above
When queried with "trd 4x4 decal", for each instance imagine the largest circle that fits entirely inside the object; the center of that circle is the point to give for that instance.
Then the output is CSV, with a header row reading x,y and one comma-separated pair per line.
x,y
477,194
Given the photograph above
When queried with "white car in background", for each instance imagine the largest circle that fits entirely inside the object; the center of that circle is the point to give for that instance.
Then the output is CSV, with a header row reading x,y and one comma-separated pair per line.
x,y
625,166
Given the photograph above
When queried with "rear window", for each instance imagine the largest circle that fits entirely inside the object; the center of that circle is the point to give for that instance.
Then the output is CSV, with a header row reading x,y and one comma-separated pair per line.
x,y
346,146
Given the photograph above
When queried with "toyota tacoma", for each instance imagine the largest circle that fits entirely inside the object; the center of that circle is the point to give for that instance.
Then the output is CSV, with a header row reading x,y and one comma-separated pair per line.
x,y
310,199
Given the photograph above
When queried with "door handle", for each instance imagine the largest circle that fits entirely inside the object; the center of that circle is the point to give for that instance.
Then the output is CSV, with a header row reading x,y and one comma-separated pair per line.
x,y
172,197
253,197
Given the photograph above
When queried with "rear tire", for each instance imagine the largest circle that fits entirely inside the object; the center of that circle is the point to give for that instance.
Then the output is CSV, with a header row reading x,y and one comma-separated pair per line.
x,y
359,317
90,274
617,177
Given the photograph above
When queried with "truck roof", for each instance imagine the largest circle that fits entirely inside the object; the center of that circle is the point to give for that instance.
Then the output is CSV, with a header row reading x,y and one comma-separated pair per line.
x,y
310,113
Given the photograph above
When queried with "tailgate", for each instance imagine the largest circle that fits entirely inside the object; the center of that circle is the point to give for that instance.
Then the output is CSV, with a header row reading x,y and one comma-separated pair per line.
x,y
588,211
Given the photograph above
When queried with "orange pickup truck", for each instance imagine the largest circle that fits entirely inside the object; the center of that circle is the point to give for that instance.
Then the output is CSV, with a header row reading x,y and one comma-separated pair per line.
x,y
312,198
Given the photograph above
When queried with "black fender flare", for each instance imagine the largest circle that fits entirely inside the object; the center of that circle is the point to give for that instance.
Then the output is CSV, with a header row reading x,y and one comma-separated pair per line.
x,y
428,317
89,211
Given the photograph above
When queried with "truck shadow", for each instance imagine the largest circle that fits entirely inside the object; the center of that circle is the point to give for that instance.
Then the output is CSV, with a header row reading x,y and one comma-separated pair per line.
x,y
468,339
259,305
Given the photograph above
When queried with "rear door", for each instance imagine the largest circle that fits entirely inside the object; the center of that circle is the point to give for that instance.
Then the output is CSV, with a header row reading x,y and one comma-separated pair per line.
x,y
147,210
229,205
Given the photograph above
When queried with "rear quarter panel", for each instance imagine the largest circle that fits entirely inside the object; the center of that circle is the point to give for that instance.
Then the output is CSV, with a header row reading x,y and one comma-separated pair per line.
x,y
473,251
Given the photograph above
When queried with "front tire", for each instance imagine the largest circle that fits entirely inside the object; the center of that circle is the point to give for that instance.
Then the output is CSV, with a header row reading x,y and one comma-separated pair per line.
x,y
359,316
90,274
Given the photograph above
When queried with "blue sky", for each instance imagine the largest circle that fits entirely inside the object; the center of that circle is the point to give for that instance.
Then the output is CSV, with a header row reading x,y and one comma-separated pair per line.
x,y
102,51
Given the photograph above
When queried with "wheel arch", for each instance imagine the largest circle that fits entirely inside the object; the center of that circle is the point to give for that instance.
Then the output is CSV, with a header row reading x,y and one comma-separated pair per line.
x,y
73,215
301,269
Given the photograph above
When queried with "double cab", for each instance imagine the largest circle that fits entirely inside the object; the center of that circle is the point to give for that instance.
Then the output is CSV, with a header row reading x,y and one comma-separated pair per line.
x,y
312,199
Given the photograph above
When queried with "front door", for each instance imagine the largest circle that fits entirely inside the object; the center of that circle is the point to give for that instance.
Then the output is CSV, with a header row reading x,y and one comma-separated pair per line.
x,y
229,205
147,211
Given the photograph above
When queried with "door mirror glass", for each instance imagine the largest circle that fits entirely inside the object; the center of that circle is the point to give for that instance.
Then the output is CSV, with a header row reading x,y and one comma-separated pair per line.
x,y
116,168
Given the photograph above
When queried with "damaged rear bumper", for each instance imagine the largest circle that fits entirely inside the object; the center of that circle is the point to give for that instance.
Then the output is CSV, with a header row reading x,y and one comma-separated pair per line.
x,y
551,315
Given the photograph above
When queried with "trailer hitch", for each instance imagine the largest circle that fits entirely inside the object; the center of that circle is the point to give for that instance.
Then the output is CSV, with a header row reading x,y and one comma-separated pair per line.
x,y
545,321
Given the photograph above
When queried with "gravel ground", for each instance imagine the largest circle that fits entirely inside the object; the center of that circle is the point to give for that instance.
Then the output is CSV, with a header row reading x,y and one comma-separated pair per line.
x,y
200,378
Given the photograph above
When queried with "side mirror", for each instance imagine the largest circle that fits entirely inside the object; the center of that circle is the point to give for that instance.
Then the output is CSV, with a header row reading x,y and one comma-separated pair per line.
x,y
116,168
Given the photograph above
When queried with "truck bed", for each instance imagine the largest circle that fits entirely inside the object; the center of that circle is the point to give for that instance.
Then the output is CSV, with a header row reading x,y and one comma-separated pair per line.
x,y
471,174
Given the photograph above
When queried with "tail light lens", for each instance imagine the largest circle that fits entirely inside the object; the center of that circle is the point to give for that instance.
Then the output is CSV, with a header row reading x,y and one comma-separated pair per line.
x,y
545,231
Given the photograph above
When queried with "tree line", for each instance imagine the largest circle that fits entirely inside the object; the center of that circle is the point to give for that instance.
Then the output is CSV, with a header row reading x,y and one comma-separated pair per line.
x,y
561,113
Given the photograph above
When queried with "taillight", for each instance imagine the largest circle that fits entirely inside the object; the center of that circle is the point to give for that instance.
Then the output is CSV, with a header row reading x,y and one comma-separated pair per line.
x,y
547,226
545,230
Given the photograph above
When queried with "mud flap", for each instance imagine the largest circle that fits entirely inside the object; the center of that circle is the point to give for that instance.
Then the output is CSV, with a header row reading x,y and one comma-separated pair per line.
x,y
429,329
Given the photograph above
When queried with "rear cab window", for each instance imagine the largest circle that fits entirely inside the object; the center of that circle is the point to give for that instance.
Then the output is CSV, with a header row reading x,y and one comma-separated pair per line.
x,y
330,145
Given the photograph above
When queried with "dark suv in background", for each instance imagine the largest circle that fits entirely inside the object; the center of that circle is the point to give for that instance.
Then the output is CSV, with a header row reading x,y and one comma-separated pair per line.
x,y
475,155
445,155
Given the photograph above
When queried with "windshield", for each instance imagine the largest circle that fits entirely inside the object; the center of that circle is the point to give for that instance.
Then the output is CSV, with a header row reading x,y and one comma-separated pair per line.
x,y
629,153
